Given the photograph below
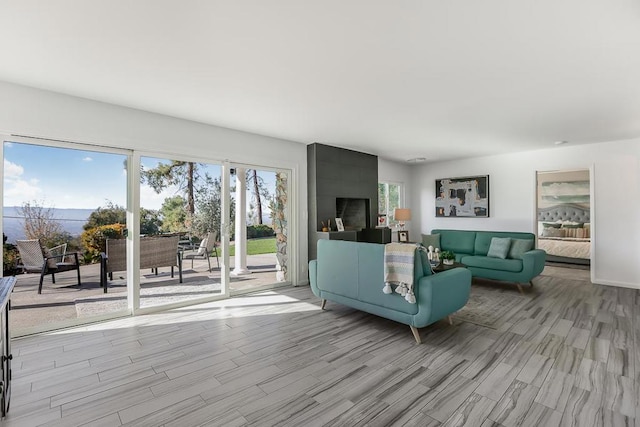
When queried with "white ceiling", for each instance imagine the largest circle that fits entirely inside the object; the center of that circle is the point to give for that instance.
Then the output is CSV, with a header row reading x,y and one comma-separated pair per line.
x,y
400,79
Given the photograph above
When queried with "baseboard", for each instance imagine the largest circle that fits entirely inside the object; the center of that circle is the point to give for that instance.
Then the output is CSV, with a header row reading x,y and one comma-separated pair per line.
x,y
615,283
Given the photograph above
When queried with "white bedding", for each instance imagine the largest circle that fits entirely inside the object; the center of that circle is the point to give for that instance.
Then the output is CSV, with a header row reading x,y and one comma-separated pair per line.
x,y
566,246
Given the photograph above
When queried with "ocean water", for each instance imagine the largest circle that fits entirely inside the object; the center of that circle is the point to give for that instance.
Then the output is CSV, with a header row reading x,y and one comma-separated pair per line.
x,y
72,221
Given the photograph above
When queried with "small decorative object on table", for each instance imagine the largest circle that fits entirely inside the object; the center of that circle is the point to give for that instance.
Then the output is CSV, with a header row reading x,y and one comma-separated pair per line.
x,y
339,224
447,257
403,236
382,220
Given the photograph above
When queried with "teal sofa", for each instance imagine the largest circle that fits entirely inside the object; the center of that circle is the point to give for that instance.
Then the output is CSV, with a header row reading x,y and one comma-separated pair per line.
x,y
352,274
471,248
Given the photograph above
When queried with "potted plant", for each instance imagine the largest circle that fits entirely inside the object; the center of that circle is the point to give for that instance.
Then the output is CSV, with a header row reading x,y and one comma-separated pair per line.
x,y
447,257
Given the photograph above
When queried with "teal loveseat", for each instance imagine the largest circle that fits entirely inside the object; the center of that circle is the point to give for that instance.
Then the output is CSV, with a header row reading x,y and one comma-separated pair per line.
x,y
352,274
471,248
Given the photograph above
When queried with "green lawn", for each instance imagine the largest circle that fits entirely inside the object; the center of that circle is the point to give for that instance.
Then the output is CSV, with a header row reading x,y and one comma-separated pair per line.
x,y
258,246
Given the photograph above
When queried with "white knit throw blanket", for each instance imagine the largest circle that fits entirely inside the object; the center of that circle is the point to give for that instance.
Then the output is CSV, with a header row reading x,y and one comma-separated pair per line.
x,y
398,269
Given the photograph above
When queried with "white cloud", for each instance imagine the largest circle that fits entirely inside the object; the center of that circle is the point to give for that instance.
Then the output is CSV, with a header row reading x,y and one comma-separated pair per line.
x,y
18,190
149,199
12,170
87,159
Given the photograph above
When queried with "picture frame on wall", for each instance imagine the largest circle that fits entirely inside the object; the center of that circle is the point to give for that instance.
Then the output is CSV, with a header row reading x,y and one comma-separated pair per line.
x,y
339,224
403,236
463,197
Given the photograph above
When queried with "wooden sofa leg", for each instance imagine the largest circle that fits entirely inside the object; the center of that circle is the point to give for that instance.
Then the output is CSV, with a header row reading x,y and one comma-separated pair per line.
x,y
450,319
520,288
322,304
416,334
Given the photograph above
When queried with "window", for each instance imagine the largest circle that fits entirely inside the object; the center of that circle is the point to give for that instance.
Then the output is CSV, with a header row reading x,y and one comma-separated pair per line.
x,y
390,197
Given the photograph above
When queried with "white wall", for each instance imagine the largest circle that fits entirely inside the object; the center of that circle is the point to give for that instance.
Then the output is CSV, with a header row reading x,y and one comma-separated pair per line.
x,y
616,199
37,113
399,173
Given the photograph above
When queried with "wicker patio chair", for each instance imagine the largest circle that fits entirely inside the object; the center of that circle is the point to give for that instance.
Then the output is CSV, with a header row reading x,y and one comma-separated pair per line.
x,y
59,252
37,259
207,246
155,251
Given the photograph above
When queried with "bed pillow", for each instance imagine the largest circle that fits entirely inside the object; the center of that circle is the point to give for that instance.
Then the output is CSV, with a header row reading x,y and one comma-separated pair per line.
x,y
551,224
499,247
431,240
519,247
553,232
573,225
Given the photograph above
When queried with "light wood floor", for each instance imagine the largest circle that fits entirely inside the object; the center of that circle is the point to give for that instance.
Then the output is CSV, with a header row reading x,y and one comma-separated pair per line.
x,y
569,358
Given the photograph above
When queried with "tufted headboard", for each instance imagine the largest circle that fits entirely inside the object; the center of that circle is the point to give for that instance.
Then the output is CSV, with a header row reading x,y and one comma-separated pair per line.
x,y
566,212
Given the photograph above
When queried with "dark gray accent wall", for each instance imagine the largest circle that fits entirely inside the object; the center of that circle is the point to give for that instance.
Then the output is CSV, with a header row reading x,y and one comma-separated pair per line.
x,y
338,173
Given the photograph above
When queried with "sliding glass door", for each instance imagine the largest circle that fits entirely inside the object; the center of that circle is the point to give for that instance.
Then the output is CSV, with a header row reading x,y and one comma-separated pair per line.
x,y
118,232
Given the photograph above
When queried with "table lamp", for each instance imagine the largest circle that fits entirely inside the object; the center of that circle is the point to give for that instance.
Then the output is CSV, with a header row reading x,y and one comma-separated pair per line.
x,y
402,215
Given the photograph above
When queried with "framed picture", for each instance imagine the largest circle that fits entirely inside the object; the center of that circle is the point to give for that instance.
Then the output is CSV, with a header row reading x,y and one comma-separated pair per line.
x,y
463,197
403,236
339,224
382,220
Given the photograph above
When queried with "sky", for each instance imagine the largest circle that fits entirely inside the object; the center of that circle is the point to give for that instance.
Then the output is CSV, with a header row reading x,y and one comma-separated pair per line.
x,y
67,178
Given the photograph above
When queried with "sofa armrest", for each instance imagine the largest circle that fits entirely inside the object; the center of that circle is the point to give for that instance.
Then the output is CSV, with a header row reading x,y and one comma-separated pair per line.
x,y
442,294
533,262
313,277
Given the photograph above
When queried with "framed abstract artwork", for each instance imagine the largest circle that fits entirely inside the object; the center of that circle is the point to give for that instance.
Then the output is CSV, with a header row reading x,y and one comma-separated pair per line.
x,y
466,197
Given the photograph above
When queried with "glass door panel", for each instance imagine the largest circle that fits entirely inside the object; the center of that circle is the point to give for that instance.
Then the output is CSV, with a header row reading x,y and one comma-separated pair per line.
x,y
180,209
60,204
259,239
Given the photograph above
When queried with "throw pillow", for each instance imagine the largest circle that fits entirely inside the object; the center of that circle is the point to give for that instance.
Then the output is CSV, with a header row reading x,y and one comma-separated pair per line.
x,y
499,247
519,247
431,240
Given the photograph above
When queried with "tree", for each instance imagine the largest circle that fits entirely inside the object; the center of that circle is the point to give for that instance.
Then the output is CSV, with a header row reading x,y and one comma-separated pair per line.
x,y
259,192
107,215
150,222
40,223
173,214
178,173
209,203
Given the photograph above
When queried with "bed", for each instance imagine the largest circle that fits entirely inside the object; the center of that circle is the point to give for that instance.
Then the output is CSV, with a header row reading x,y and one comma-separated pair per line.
x,y
564,232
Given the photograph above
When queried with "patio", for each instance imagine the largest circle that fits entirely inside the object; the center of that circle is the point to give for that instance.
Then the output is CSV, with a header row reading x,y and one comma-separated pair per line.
x,y
64,302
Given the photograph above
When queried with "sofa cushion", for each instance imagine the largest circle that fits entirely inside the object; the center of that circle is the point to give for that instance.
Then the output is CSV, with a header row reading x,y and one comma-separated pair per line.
x,y
456,241
342,276
519,247
512,265
431,240
499,247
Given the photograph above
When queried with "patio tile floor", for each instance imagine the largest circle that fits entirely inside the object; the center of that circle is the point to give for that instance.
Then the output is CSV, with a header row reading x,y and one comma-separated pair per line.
x,y
57,305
